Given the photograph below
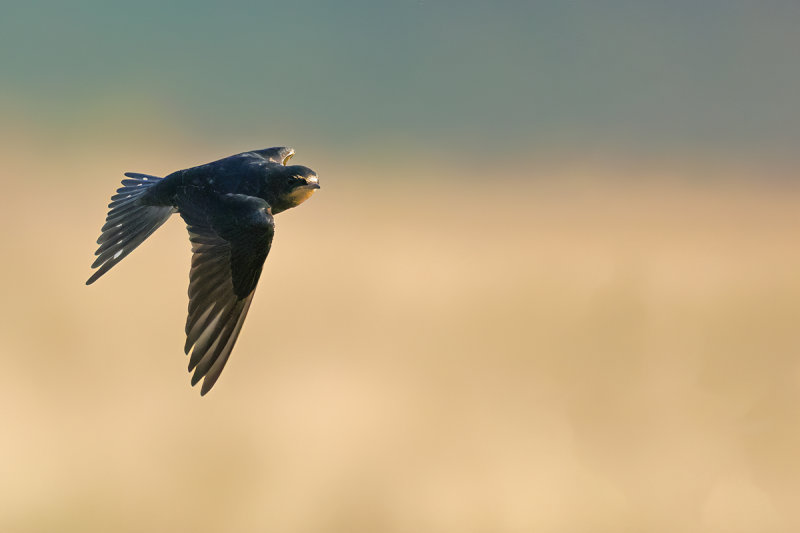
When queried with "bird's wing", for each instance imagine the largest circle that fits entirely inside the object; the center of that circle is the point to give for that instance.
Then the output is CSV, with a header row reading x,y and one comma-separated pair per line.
x,y
277,154
231,236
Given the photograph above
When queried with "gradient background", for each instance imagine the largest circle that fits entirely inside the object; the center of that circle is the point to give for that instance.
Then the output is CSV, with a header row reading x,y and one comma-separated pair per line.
x,y
550,282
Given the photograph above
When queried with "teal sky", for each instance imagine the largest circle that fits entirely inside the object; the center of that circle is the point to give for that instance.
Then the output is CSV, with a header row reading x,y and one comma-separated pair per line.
x,y
502,75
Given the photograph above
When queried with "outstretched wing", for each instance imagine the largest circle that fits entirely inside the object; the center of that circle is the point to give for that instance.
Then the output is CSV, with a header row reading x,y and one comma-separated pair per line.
x,y
231,236
276,154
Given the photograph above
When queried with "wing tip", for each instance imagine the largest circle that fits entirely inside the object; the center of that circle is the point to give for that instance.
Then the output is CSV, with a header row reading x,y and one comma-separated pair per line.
x,y
207,383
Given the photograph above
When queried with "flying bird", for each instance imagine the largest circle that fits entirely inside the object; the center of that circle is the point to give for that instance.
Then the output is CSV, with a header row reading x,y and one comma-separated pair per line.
x,y
228,206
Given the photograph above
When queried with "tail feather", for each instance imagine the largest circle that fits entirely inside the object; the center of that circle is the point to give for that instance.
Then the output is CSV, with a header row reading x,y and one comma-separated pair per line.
x,y
128,224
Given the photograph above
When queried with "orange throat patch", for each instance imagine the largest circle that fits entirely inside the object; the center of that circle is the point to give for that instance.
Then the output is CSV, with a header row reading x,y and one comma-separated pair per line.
x,y
300,195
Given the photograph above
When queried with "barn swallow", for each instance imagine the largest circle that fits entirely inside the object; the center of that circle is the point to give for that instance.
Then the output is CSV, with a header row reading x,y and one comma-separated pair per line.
x,y
228,207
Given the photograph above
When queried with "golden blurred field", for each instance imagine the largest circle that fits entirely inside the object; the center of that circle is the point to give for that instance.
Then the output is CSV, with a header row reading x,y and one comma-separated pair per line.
x,y
568,350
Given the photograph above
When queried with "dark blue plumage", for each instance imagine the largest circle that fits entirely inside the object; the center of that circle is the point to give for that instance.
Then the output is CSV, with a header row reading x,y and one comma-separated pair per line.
x,y
228,206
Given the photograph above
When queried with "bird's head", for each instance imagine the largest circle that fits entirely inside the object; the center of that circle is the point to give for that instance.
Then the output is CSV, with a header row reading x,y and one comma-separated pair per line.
x,y
294,186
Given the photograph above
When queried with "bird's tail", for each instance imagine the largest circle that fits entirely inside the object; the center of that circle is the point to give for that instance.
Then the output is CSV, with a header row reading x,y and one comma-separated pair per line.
x,y
128,224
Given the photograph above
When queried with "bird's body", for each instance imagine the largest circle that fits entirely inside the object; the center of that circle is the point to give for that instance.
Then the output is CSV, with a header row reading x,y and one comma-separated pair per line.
x,y
228,206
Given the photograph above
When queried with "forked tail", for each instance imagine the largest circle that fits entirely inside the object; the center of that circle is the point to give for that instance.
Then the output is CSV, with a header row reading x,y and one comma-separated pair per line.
x,y
128,224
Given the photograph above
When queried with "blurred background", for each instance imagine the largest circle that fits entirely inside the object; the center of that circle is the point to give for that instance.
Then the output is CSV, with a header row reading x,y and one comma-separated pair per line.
x,y
550,282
